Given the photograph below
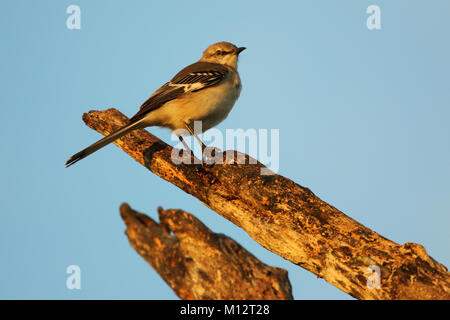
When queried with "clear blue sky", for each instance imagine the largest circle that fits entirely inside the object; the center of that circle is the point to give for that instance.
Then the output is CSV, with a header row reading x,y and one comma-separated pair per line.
x,y
363,119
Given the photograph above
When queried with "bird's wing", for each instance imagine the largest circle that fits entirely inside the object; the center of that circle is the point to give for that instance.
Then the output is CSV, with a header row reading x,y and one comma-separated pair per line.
x,y
195,77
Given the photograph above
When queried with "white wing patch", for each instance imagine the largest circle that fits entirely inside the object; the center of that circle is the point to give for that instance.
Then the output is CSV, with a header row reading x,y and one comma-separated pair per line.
x,y
188,86
199,80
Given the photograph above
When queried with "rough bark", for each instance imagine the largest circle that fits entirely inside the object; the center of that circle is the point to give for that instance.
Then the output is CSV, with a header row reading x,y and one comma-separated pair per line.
x,y
291,221
200,264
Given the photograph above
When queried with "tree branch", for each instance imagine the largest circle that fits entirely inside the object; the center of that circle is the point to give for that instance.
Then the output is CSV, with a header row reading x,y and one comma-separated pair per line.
x,y
291,221
199,264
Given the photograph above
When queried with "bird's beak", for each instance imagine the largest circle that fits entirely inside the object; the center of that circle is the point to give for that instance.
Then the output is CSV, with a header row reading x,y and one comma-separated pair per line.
x,y
239,50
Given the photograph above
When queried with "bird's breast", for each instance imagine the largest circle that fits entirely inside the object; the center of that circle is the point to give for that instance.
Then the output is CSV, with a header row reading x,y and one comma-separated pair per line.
x,y
214,104
211,105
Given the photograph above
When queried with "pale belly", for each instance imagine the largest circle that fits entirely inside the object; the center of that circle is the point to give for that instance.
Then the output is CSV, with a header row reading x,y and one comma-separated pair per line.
x,y
211,106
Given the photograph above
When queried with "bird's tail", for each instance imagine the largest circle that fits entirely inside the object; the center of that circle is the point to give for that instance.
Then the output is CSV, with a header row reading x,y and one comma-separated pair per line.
x,y
103,142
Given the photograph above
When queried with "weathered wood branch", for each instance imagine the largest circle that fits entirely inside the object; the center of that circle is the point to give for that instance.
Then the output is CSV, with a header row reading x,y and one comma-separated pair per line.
x,y
200,264
291,221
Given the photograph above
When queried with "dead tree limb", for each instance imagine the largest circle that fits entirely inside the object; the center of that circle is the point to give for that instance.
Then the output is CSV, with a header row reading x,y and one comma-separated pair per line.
x,y
200,264
291,221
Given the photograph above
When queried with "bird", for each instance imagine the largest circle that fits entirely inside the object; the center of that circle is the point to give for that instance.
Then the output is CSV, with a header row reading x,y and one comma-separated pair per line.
x,y
204,91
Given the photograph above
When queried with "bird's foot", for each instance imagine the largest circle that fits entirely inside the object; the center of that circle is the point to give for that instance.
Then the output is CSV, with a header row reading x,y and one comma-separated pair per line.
x,y
211,156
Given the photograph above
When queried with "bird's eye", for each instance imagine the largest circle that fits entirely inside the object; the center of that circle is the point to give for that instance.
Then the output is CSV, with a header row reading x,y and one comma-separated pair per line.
x,y
219,52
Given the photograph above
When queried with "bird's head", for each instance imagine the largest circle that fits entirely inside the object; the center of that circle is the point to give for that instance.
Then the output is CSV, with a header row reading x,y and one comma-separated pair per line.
x,y
222,53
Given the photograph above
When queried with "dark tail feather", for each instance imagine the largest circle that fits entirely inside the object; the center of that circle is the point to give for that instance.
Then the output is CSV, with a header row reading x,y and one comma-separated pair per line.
x,y
103,142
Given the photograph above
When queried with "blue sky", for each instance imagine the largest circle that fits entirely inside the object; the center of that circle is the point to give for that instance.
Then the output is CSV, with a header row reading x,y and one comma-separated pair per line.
x,y
363,118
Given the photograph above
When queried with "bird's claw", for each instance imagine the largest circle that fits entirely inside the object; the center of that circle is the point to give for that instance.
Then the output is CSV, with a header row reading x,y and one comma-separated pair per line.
x,y
211,156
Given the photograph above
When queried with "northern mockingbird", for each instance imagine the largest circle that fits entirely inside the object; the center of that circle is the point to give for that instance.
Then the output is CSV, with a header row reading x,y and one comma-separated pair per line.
x,y
204,91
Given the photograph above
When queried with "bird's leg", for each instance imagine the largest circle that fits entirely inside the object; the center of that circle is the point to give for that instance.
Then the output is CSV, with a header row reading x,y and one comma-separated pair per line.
x,y
192,132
